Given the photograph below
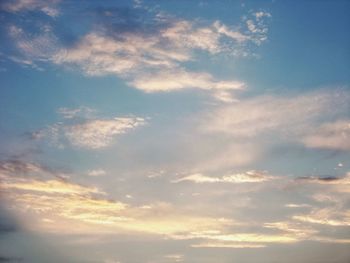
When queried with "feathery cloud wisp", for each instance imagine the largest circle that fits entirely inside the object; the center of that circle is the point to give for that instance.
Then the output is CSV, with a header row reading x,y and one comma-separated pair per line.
x,y
247,177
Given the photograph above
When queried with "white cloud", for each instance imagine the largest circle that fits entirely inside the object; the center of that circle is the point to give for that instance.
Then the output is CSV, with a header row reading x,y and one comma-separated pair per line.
x,y
96,172
136,56
260,14
235,35
184,34
96,134
175,257
334,135
326,216
247,177
91,133
34,47
71,113
293,117
297,205
180,79
48,7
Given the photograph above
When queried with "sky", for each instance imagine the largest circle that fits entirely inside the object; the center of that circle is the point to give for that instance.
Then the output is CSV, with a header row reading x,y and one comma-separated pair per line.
x,y
174,131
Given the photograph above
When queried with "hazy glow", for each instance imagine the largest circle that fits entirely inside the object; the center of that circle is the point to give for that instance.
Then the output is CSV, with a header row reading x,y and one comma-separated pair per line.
x,y
174,131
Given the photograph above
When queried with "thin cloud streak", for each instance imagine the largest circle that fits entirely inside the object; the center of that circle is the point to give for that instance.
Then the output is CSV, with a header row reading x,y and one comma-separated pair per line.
x,y
247,177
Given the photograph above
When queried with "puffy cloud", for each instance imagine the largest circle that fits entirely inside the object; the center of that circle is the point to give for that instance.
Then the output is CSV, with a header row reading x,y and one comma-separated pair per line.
x,y
247,177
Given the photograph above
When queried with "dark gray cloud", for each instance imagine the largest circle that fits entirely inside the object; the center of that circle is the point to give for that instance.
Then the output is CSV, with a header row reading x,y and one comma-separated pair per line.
x,y
8,224
10,259
320,179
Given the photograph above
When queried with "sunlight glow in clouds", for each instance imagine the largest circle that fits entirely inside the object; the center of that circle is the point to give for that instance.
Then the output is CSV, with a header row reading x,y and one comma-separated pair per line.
x,y
248,177
174,131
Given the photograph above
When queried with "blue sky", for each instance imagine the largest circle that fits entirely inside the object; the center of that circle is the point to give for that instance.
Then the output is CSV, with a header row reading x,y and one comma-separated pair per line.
x,y
174,131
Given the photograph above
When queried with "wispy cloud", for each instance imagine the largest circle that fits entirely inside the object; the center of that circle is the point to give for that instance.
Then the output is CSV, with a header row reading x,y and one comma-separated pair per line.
x,y
40,190
326,216
57,203
96,134
135,54
48,7
247,177
71,113
180,79
35,47
96,172
87,133
291,118
32,177
335,135
333,183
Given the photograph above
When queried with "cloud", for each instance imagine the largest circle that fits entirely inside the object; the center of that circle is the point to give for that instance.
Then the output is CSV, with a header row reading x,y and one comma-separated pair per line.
x,y
34,48
57,204
71,113
295,118
22,169
151,63
224,30
333,183
295,228
10,259
334,135
238,240
96,172
49,7
96,134
325,179
227,245
7,223
49,186
149,56
297,205
247,177
175,257
326,216
180,79
39,190
89,133
25,176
